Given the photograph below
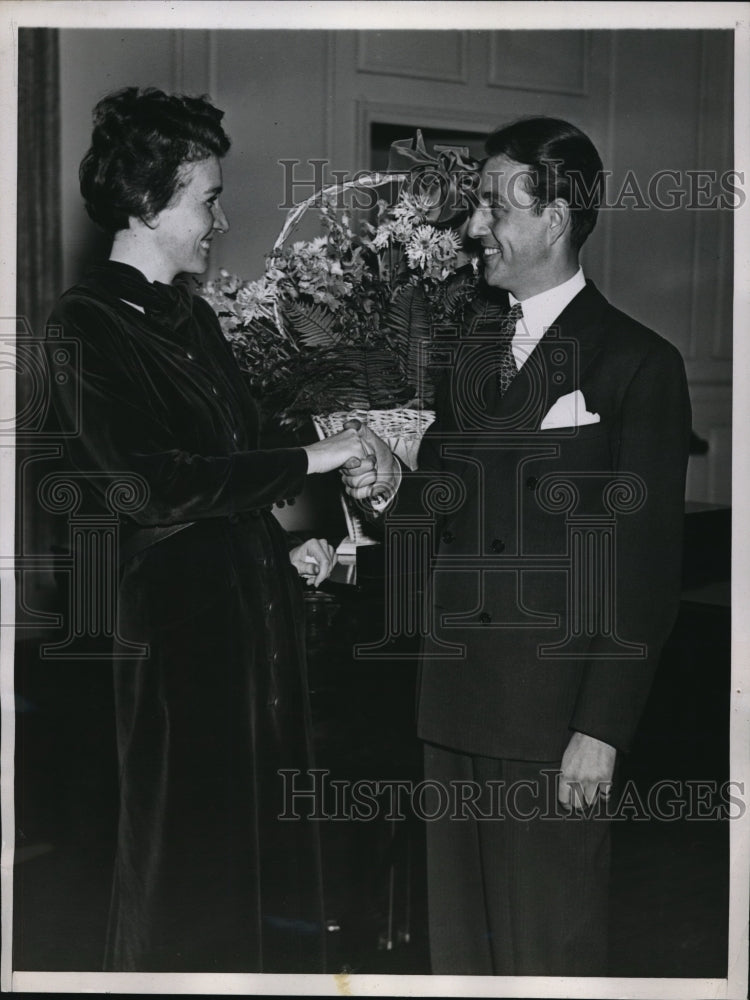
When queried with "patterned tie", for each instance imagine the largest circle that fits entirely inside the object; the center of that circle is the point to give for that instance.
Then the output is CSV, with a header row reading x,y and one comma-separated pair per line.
x,y
507,368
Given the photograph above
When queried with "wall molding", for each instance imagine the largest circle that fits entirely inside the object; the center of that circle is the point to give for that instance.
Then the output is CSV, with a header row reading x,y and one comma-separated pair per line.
x,y
709,371
384,69
178,61
495,77
724,326
697,217
194,62
329,97
369,112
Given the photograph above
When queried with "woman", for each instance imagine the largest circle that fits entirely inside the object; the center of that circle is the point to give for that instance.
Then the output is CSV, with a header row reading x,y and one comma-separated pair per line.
x,y
206,878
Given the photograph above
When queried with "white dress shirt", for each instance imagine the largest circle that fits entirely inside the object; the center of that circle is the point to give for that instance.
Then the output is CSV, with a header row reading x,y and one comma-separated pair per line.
x,y
540,312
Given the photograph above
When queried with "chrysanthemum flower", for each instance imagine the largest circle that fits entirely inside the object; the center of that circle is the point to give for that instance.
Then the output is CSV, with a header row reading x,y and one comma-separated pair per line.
x,y
422,248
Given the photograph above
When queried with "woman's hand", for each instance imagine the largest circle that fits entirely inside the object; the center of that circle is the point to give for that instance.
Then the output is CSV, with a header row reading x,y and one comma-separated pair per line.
x,y
373,477
313,560
334,451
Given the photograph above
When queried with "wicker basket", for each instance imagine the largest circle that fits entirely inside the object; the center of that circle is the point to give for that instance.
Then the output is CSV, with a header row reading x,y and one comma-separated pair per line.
x,y
401,429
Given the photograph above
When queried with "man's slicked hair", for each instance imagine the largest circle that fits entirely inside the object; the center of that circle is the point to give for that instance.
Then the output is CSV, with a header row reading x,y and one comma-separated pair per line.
x,y
563,163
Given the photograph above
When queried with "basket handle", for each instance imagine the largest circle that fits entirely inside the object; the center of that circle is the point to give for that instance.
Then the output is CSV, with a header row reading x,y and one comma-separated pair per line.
x,y
368,180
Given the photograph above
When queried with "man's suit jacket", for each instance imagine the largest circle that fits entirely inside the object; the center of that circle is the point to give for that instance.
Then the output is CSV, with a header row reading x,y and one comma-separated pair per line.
x,y
556,553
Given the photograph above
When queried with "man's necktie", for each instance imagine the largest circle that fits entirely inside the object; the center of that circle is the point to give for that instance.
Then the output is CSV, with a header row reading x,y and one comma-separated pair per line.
x,y
507,368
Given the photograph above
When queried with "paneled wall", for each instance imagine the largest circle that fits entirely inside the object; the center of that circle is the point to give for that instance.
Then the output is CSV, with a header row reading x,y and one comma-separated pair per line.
x,y
651,101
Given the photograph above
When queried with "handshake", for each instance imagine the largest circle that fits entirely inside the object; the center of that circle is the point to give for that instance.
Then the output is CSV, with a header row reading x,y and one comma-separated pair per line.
x,y
369,470
370,474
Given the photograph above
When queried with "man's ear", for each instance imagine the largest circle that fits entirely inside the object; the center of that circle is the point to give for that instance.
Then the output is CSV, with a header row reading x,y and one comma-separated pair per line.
x,y
558,219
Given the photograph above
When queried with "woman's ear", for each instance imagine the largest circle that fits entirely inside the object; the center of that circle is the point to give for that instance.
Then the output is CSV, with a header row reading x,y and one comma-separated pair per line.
x,y
149,220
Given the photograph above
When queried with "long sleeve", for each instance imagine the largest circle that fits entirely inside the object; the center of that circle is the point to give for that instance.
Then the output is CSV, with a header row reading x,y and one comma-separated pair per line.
x,y
653,445
143,409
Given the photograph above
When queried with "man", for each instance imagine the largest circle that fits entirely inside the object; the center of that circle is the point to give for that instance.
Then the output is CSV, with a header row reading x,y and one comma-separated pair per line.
x,y
563,439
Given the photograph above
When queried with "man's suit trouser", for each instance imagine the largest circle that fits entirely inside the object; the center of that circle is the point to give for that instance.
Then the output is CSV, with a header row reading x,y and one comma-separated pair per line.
x,y
521,895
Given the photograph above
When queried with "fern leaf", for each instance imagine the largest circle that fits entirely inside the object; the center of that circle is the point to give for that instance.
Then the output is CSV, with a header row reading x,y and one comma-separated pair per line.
x,y
313,324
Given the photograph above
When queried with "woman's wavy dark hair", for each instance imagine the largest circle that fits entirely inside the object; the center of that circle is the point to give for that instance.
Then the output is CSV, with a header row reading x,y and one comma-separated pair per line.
x,y
563,164
140,141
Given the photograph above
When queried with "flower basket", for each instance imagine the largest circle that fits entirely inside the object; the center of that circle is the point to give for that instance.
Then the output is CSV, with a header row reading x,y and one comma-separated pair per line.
x,y
341,324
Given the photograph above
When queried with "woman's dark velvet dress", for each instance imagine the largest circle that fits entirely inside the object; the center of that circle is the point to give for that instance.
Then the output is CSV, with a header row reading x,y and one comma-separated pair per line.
x,y
206,877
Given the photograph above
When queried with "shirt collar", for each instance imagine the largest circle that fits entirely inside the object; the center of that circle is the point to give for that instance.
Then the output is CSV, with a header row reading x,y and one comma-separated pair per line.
x,y
540,311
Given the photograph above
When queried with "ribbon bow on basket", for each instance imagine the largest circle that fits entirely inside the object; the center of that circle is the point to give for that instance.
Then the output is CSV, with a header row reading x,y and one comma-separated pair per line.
x,y
444,185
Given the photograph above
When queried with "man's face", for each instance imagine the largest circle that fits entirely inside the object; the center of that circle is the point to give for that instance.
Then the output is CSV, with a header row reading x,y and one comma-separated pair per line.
x,y
515,239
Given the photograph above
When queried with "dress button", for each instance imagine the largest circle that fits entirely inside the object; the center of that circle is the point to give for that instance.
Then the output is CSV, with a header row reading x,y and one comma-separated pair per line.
x,y
235,436
189,355
214,390
532,482
497,545
448,537
485,618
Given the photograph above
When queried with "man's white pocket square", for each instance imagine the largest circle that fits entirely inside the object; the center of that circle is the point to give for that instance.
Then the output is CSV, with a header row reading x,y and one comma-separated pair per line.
x,y
569,411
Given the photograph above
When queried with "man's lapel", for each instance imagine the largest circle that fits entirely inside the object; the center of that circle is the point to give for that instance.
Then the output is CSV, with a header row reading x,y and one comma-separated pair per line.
x,y
555,367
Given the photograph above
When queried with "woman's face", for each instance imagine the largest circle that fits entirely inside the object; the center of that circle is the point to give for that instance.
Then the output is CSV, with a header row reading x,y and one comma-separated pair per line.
x,y
184,229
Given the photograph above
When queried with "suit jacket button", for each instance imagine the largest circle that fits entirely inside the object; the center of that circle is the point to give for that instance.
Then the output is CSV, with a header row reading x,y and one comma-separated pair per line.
x,y
485,618
531,482
448,537
497,545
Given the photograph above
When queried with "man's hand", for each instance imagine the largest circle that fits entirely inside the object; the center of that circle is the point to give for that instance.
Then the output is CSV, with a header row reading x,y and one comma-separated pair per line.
x,y
587,768
313,560
375,476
